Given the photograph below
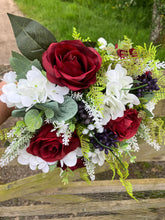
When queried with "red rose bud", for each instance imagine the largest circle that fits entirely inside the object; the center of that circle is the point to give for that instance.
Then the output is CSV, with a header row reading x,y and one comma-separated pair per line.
x,y
116,46
49,147
125,127
125,53
148,73
70,63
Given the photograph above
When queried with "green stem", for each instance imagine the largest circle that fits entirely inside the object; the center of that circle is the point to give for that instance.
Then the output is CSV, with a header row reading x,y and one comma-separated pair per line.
x,y
136,87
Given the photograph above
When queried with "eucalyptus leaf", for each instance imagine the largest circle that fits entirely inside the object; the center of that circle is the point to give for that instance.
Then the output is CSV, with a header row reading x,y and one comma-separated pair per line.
x,y
18,112
44,106
21,65
32,38
47,108
53,105
33,120
49,113
66,110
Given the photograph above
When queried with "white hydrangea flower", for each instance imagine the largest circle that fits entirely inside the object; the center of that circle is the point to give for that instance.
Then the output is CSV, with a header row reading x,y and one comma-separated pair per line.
x,y
102,42
10,96
34,162
10,77
97,157
117,93
70,159
34,89
56,93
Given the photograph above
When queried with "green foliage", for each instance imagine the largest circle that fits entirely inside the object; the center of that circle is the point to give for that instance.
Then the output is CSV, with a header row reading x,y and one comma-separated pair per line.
x,y
156,126
76,36
33,119
18,112
66,174
84,141
36,37
84,175
49,112
95,95
3,134
136,65
19,136
116,166
21,65
160,94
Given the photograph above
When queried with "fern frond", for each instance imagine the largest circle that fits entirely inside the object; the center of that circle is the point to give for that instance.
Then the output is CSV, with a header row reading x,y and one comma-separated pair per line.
x,y
76,36
84,175
116,166
156,126
95,95
144,57
159,95
84,141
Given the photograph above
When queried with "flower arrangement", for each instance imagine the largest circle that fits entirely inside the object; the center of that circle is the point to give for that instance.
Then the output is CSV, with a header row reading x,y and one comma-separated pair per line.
x,y
81,103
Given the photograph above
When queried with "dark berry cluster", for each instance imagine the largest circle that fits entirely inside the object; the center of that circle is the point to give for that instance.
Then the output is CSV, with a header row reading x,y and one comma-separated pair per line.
x,y
150,86
107,139
83,116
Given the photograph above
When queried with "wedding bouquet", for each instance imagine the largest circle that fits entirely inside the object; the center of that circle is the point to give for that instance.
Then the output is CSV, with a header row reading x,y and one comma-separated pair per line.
x,y
81,103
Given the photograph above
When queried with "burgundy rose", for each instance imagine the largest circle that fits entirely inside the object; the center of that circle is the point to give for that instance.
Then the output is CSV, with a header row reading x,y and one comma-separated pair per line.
x,y
49,147
125,127
70,63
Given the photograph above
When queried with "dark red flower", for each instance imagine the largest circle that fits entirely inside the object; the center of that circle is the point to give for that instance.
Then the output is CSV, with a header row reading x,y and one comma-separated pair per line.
x,y
70,63
125,127
49,147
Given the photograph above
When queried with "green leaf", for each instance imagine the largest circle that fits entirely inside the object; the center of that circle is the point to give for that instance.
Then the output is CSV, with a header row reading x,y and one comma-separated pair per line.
x,y
18,112
72,127
33,120
21,65
52,167
62,112
49,113
123,145
148,113
66,110
32,38
148,97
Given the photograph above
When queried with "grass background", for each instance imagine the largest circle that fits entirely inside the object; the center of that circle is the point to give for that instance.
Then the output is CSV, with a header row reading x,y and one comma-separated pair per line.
x,y
94,19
